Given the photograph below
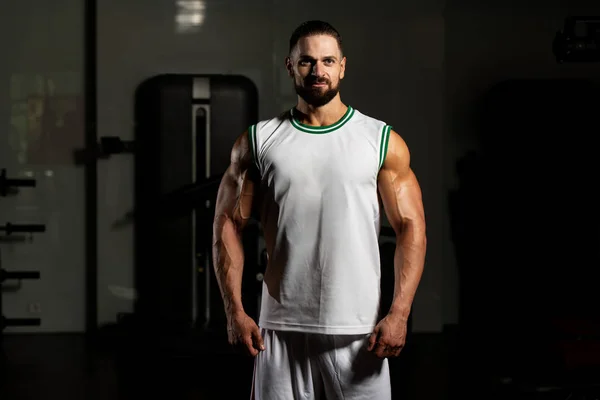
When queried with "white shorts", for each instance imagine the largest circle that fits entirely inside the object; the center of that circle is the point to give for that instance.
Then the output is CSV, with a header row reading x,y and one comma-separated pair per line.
x,y
301,366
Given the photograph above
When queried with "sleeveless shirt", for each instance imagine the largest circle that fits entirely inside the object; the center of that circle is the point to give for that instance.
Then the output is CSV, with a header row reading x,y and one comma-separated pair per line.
x,y
320,216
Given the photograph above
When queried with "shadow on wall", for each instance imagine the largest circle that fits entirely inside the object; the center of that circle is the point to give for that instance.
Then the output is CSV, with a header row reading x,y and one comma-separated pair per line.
x,y
525,223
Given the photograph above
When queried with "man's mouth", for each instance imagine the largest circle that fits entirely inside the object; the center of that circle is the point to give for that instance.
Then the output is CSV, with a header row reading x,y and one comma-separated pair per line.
x,y
318,83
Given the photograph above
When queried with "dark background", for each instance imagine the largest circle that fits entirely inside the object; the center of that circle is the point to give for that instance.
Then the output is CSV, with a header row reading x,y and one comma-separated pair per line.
x,y
503,140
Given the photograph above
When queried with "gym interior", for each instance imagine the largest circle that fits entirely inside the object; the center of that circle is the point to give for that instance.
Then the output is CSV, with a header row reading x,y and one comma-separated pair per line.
x,y
117,121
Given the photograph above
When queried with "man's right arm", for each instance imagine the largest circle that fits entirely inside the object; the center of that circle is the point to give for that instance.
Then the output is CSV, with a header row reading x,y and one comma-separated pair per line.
x,y
232,212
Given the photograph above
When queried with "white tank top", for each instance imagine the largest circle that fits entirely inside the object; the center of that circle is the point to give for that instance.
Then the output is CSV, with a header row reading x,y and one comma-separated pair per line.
x,y
320,215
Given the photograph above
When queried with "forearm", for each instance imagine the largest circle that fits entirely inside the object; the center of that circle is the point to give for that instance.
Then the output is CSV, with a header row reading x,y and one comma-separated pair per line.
x,y
409,260
228,260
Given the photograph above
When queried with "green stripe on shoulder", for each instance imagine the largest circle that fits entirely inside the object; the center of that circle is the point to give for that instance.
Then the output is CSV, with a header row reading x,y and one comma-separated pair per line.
x,y
252,142
383,145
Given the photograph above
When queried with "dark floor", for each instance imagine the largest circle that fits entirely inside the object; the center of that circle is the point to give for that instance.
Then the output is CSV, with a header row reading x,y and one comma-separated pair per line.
x,y
69,367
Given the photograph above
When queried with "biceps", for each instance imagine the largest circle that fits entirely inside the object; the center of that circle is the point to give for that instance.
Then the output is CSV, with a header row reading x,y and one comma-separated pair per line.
x,y
247,188
234,198
402,201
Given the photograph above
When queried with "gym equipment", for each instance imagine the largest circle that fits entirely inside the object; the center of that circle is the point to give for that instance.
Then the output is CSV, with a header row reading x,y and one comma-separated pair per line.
x,y
185,128
9,228
7,275
21,275
6,184
16,275
190,198
108,145
578,41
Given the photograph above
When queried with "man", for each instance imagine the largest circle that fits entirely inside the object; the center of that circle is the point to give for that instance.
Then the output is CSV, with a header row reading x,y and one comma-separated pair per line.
x,y
315,175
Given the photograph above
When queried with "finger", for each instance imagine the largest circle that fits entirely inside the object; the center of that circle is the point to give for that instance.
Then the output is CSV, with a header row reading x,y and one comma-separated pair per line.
x,y
393,351
390,351
250,346
257,339
373,339
239,347
381,350
397,351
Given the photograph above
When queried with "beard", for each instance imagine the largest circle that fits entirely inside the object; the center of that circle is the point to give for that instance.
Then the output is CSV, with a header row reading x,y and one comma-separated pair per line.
x,y
316,96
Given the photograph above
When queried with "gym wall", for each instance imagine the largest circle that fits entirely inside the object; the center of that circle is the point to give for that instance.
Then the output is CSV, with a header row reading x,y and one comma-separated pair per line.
x,y
422,66
140,39
41,124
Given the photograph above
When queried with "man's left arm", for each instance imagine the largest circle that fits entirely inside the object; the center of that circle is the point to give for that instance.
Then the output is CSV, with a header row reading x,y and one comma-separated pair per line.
x,y
402,201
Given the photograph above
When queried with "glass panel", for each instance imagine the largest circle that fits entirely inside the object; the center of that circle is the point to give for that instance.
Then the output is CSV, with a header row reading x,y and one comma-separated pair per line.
x,y
41,125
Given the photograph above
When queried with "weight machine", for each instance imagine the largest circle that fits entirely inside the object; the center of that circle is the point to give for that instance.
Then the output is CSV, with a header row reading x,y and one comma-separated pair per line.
x,y
185,128
7,187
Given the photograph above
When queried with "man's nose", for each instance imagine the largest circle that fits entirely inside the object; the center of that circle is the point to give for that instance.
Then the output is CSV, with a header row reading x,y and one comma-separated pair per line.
x,y
317,69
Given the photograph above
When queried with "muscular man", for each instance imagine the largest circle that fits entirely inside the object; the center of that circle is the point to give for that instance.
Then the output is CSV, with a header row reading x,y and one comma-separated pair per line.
x,y
317,175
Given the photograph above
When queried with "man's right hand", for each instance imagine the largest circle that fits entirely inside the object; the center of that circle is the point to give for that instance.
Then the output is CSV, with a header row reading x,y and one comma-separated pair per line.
x,y
243,333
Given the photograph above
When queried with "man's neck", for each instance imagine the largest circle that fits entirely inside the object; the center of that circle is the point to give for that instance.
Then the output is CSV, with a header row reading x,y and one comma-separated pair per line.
x,y
325,115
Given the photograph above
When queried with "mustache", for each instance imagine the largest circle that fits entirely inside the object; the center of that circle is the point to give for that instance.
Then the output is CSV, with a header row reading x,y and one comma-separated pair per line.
x,y
310,81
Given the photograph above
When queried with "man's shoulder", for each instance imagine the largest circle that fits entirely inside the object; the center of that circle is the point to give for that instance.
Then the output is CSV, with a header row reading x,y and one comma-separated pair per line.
x,y
281,117
368,120
272,122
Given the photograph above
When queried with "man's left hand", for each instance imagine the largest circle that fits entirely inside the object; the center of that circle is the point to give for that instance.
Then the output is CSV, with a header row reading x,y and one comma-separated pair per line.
x,y
389,336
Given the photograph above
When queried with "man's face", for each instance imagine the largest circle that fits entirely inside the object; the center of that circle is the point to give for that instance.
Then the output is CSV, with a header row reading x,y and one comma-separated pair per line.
x,y
317,67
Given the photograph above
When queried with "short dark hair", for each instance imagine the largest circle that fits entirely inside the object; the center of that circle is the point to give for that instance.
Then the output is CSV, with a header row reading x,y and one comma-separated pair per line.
x,y
313,28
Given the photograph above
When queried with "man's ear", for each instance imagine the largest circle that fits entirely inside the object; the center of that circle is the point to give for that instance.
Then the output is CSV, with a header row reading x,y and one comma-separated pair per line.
x,y
289,66
343,68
